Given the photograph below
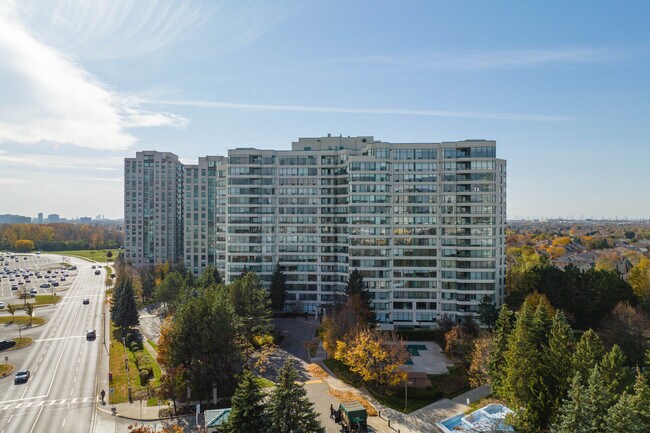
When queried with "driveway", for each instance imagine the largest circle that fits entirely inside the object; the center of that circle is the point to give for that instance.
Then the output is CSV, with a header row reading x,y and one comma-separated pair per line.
x,y
297,331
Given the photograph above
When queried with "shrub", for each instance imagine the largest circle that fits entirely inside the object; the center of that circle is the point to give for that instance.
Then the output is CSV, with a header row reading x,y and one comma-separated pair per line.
x,y
130,338
144,377
134,346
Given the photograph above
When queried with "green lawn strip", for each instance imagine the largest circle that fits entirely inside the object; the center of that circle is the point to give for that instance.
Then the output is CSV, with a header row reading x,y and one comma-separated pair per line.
x,y
22,342
444,385
264,383
22,320
91,255
153,344
6,369
38,301
116,364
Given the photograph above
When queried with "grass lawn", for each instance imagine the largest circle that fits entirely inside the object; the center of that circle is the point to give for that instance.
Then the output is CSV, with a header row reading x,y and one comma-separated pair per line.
x,y
444,385
264,383
92,255
38,301
6,369
21,342
21,320
116,363
153,344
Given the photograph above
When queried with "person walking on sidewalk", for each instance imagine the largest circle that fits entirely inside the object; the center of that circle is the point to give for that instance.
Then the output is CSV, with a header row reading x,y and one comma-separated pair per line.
x,y
102,394
332,411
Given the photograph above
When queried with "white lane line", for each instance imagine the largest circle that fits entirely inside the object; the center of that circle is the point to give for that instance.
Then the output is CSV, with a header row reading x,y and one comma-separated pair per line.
x,y
58,338
23,399
36,421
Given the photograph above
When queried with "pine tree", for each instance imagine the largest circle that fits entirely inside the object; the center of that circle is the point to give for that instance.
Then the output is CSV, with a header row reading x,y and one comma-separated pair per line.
x,y
558,361
487,311
247,410
125,311
210,277
597,401
356,286
290,411
573,417
523,385
496,363
278,289
589,352
612,367
621,417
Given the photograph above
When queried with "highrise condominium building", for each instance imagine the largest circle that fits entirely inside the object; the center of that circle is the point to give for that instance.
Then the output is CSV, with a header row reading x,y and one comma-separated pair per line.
x,y
424,223
153,208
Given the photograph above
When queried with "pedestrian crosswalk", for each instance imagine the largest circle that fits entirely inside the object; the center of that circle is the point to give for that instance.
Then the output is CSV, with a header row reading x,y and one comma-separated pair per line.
x,y
56,402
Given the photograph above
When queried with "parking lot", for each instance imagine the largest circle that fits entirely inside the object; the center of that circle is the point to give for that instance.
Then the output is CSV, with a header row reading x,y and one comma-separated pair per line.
x,y
31,275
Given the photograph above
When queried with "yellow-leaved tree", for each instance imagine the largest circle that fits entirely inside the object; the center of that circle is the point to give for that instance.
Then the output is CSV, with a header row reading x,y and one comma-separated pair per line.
x,y
376,356
639,279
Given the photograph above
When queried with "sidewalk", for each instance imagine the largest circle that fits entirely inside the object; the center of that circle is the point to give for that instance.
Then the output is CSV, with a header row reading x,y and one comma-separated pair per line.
x,y
134,411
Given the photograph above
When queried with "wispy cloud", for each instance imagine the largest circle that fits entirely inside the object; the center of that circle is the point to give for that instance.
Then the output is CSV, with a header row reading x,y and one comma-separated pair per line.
x,y
220,105
108,29
492,59
58,162
53,99
12,181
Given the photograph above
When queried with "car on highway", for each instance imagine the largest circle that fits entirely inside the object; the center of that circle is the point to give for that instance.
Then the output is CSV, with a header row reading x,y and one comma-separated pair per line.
x,y
91,334
7,344
22,376
97,272
93,266
86,301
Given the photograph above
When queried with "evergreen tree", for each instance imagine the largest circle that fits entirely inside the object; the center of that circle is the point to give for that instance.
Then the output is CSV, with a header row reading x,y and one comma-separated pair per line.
x,y
589,352
612,367
523,385
573,417
247,410
251,304
496,363
290,411
278,289
597,401
124,313
623,418
147,282
210,277
356,286
558,361
487,311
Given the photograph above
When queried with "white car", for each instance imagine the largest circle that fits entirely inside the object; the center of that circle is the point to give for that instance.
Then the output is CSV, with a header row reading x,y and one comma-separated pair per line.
x,y
2,304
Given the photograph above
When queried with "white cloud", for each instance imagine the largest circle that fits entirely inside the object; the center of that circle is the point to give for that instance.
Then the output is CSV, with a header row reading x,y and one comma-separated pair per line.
x,y
349,110
12,181
54,162
491,59
50,98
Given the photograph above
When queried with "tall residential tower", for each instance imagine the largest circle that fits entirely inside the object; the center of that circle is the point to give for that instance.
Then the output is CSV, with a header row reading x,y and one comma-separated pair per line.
x,y
424,223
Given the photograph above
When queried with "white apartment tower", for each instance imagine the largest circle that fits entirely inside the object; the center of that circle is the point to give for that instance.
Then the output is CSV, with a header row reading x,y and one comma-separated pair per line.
x,y
424,223
153,211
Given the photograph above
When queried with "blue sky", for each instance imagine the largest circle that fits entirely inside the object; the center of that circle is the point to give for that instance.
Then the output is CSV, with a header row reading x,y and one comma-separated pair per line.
x,y
563,87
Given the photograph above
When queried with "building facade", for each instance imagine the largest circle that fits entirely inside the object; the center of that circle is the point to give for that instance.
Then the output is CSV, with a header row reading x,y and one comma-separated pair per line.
x,y
153,208
424,223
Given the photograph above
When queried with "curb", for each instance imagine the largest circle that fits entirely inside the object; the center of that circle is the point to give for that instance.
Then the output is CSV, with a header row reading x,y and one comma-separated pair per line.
x,y
9,374
118,415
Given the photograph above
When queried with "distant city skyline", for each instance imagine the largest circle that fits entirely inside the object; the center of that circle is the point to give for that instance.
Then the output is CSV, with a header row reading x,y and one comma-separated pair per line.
x,y
561,87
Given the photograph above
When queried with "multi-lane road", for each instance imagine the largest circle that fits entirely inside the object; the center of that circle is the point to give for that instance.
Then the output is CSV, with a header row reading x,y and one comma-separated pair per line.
x,y
60,395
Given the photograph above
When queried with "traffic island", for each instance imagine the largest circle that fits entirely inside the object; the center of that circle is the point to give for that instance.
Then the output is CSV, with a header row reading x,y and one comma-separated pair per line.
x,y
25,321
6,369
21,342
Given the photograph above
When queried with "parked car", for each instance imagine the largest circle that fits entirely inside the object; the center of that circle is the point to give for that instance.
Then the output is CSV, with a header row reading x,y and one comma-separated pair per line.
x,y
91,334
22,376
33,292
45,286
86,301
7,344
55,284
2,304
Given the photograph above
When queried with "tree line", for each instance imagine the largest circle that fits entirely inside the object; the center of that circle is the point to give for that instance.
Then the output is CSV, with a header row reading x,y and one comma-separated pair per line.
x,y
556,383
59,236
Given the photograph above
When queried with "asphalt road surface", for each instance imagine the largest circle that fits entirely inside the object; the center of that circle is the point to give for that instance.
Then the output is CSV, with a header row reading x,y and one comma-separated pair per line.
x,y
60,394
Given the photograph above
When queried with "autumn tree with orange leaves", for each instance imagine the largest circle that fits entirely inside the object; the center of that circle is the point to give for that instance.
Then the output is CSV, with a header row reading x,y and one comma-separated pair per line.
x,y
376,356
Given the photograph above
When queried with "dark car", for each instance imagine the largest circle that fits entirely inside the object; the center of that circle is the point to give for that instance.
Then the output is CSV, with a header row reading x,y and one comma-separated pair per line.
x,y
86,301
22,376
91,334
7,344
97,272
55,284
45,286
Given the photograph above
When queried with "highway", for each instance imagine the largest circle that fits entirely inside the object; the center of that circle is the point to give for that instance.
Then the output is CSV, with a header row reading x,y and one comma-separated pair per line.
x,y
60,395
